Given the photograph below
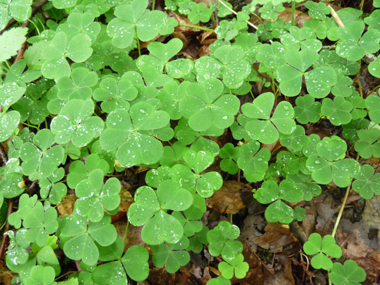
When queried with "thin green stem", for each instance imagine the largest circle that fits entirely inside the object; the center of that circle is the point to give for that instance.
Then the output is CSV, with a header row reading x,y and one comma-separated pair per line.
x,y
30,126
361,5
7,63
341,210
37,29
5,68
63,275
126,230
196,27
154,5
253,97
138,42
293,11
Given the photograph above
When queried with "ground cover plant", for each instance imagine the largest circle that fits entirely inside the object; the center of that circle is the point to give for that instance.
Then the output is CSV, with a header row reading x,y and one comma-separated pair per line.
x,y
169,141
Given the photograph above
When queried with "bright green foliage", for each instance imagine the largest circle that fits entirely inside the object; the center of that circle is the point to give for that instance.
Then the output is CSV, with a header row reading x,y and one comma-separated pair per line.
x,y
162,227
323,248
368,144
349,273
222,241
353,45
80,238
234,67
263,130
236,267
128,134
367,183
41,275
133,20
115,272
317,10
40,158
84,105
77,49
307,110
75,123
37,221
94,196
10,42
252,161
172,255
338,111
230,155
79,171
199,13
205,106
79,86
326,165
20,10
271,192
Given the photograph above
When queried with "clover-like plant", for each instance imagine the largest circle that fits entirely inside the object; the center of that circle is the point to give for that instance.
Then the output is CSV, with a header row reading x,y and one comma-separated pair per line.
x,y
94,196
222,241
263,126
270,192
322,248
149,210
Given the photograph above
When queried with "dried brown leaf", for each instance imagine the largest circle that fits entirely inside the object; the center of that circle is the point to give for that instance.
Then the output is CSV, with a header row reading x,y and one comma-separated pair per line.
x,y
227,199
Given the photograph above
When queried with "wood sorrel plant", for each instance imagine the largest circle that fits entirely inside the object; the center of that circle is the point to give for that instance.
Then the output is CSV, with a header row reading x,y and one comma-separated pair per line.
x,y
86,98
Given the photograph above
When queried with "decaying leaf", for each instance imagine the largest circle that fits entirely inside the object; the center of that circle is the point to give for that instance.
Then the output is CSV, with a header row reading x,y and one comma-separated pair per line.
x,y
227,199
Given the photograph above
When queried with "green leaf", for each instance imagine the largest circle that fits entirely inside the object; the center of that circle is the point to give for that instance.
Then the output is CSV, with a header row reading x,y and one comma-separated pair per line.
x,y
279,212
368,144
162,228
41,275
372,103
290,76
79,86
171,196
307,110
75,123
172,255
236,68
138,256
133,19
9,122
338,111
315,245
165,52
11,41
349,273
206,109
366,182
111,273
235,267
283,118
40,158
223,234
145,206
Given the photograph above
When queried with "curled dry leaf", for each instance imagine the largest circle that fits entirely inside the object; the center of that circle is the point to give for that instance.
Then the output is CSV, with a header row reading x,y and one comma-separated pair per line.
x,y
276,236
227,199
66,206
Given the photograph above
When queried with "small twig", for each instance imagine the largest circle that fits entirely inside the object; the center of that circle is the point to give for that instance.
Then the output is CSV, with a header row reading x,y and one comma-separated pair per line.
x,y
341,210
4,240
31,187
35,7
335,16
216,13
249,23
196,27
3,155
